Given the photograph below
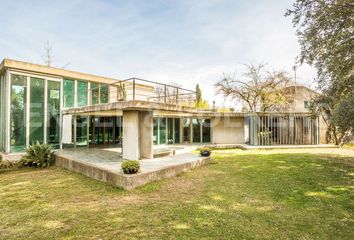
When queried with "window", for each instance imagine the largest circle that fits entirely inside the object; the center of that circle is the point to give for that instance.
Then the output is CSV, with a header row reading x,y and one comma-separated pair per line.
x,y
103,93
177,131
196,130
82,94
162,131
53,113
155,131
36,111
186,130
69,93
18,113
206,130
307,104
94,93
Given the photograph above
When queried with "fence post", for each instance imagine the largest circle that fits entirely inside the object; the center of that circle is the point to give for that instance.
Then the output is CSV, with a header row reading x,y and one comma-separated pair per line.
x,y
177,96
165,94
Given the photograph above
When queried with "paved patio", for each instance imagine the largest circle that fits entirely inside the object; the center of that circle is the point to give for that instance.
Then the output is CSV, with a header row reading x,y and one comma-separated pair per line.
x,y
104,164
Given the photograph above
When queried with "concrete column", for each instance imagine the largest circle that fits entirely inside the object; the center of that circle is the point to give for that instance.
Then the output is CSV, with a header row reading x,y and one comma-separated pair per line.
x,y
146,134
137,134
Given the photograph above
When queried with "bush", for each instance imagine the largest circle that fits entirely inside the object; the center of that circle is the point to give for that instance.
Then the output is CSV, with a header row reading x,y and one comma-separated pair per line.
x,y
205,152
38,155
130,166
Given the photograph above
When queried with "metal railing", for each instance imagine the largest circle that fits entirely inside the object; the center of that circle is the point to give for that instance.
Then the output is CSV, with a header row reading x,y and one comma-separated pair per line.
x,y
150,91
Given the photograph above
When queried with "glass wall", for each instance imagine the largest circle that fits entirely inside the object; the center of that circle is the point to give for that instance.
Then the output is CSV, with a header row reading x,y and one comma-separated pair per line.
x,y
53,113
94,93
103,93
206,130
36,123
196,130
162,131
18,113
155,131
82,88
69,93
186,130
170,129
177,130
81,131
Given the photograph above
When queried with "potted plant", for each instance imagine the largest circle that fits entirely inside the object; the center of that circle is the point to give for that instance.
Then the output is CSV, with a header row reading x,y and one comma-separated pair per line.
x,y
205,152
130,166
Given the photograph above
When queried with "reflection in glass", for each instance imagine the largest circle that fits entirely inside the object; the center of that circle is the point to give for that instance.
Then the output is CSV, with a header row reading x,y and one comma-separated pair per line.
x,y
206,130
69,93
103,93
82,94
186,130
196,130
36,110
162,131
53,105
94,93
18,113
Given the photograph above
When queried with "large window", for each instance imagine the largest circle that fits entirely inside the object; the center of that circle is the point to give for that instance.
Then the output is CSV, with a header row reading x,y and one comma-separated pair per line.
x,y
196,130
206,133
162,131
170,136
103,93
53,113
81,131
69,93
186,130
82,94
18,113
36,110
177,130
94,93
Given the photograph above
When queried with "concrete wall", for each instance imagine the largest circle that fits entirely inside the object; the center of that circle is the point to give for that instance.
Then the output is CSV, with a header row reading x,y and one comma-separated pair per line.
x,y
131,135
323,131
137,134
146,134
228,130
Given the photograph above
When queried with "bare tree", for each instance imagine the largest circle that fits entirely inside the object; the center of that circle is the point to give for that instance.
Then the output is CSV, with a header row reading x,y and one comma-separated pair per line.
x,y
47,55
258,90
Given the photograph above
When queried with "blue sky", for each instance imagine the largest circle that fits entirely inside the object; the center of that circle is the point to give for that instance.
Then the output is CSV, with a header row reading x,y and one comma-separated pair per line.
x,y
187,42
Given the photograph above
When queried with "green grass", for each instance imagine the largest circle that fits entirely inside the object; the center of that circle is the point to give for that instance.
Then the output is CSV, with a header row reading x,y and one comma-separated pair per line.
x,y
242,195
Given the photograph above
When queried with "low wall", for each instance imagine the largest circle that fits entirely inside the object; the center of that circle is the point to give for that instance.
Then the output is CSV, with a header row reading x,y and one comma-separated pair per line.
x,y
122,180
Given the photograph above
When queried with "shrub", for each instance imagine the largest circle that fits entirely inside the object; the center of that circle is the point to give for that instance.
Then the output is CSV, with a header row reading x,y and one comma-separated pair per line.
x,y
130,166
38,155
205,152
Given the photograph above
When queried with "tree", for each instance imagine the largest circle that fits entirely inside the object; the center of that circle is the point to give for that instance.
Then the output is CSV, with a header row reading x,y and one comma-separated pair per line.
x,y
198,95
326,36
344,116
47,56
259,90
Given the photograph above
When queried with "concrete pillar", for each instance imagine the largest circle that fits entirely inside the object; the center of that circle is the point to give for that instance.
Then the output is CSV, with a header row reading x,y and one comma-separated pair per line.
x,y
137,134
146,134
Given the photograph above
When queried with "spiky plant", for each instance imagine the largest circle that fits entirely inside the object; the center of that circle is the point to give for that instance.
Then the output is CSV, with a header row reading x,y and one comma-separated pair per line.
x,y
38,155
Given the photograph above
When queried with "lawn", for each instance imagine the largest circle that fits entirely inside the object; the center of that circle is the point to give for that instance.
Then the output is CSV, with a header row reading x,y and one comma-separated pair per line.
x,y
242,195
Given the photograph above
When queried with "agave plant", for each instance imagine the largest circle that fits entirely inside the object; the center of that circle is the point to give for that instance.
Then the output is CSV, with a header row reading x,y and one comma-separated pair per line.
x,y
38,155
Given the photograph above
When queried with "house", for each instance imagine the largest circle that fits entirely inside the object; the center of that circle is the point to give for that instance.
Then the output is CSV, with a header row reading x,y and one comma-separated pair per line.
x,y
72,109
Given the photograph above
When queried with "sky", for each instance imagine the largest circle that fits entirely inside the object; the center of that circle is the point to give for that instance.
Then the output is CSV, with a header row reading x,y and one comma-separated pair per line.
x,y
181,41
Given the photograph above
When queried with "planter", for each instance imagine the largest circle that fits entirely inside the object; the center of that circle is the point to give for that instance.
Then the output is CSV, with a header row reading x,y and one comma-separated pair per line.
x,y
205,153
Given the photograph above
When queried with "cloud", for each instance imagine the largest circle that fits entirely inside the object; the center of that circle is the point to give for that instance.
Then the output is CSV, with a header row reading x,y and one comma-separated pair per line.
x,y
187,41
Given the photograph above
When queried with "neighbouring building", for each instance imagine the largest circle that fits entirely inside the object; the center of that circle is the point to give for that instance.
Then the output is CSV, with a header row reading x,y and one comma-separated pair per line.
x,y
72,109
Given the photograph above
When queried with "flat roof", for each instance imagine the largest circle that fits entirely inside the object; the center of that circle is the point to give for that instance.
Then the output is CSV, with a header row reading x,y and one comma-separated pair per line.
x,y
52,71
162,109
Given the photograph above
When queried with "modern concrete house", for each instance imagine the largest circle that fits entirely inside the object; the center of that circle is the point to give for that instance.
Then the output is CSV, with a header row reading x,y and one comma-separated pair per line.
x,y
70,109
